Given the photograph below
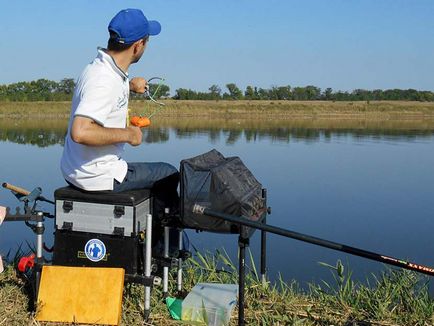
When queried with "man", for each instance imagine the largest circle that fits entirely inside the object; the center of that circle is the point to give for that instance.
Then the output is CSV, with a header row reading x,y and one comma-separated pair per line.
x,y
97,130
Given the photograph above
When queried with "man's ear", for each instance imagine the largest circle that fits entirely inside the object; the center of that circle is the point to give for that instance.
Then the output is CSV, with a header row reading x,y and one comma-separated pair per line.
x,y
136,46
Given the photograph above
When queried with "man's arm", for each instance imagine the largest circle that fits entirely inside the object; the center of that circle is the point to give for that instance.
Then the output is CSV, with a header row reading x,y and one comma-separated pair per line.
x,y
85,131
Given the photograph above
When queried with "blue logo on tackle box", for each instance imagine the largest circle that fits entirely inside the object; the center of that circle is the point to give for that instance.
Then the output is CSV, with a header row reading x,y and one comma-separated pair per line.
x,y
95,250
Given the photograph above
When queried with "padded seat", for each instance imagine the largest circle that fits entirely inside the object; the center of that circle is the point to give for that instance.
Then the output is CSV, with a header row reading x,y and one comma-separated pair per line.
x,y
128,198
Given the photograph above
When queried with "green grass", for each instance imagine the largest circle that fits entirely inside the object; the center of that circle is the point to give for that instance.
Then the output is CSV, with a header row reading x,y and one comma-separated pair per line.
x,y
394,297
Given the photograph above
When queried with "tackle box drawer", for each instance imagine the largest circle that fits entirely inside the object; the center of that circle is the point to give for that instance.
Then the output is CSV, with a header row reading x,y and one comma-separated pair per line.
x,y
122,214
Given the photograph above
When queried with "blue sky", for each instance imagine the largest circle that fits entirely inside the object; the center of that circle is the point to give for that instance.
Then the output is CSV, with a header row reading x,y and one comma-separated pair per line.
x,y
343,44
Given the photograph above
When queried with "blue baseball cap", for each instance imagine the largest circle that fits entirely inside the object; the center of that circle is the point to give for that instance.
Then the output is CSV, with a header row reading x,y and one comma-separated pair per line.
x,y
131,25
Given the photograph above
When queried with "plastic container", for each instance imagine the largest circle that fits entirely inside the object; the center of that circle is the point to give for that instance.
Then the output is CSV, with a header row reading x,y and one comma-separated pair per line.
x,y
210,303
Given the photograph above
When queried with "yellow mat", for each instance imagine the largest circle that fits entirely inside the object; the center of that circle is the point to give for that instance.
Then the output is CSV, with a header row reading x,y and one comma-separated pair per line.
x,y
80,295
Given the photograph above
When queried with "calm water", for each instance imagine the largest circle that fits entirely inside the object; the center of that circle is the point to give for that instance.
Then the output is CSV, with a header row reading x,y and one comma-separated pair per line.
x,y
368,185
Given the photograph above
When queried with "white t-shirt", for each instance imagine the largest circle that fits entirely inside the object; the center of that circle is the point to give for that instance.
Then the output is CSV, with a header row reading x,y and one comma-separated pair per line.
x,y
101,94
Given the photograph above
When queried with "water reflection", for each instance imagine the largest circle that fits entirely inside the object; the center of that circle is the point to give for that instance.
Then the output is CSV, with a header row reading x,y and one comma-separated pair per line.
x,y
44,133
41,133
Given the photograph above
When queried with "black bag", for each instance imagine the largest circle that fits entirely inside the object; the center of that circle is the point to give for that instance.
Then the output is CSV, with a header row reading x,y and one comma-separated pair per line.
x,y
221,184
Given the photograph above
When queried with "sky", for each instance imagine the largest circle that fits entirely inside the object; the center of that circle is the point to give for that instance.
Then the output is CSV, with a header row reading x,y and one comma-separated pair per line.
x,y
342,44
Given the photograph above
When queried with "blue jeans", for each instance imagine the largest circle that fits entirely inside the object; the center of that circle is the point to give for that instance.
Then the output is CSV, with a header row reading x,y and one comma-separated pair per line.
x,y
145,175
161,178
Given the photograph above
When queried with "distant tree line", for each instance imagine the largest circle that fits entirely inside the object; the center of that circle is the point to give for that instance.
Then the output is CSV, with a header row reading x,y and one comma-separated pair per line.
x,y
38,90
307,93
48,90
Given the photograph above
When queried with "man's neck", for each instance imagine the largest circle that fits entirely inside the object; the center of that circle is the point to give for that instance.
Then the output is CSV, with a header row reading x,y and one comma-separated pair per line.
x,y
121,60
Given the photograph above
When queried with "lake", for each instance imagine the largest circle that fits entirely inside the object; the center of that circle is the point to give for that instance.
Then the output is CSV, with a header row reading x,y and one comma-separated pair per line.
x,y
367,184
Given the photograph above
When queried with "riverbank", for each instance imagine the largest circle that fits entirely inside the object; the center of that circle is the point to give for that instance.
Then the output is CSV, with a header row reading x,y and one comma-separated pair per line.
x,y
263,109
392,298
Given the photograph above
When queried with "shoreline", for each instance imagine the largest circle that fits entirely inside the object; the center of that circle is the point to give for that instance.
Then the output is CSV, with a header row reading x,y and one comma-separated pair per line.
x,y
395,297
399,110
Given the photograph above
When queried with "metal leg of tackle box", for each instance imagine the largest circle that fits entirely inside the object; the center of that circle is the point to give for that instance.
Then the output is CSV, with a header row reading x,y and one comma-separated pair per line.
x,y
166,256
179,263
180,248
148,260
39,246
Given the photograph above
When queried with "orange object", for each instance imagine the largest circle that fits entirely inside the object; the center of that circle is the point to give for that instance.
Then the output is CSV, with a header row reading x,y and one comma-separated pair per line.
x,y
140,121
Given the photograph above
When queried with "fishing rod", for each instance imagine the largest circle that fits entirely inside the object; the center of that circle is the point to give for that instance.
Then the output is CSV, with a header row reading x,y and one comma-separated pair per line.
x,y
198,209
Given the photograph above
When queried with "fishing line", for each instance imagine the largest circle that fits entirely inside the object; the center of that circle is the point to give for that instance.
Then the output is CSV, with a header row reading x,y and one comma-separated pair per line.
x,y
152,97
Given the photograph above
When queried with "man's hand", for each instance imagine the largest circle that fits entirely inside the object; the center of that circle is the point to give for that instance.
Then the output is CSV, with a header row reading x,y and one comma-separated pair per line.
x,y
138,85
135,135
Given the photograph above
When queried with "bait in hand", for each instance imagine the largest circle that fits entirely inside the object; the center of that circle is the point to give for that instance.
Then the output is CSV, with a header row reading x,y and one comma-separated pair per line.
x,y
141,122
